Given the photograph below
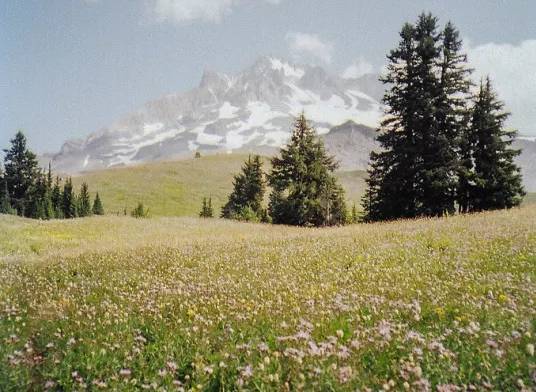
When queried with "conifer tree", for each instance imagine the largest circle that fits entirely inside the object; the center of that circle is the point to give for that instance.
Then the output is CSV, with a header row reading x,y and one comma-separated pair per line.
x,y
68,200
206,208
5,202
49,207
496,178
57,199
49,177
38,204
305,191
84,202
97,209
210,211
451,110
20,166
140,211
391,185
415,173
202,213
245,201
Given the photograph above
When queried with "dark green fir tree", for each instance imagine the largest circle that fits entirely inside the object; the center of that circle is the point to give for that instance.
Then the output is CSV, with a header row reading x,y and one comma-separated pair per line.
x,y
5,202
68,200
97,209
391,184
57,199
21,171
497,179
38,204
305,190
443,163
415,173
84,201
206,208
245,201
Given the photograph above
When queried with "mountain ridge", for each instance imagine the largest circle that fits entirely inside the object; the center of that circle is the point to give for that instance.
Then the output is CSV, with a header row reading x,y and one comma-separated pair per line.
x,y
250,111
253,108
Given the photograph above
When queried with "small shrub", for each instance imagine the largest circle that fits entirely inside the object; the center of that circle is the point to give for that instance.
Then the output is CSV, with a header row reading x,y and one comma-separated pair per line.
x,y
140,211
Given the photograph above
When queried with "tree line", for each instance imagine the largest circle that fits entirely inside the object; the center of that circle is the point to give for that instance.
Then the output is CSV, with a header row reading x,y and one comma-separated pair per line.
x,y
443,148
29,191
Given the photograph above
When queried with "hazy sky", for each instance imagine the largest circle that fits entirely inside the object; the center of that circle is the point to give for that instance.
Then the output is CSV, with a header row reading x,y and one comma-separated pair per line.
x,y
70,67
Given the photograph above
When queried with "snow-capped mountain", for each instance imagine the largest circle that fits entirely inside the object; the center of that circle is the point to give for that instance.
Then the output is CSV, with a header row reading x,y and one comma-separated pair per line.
x,y
251,110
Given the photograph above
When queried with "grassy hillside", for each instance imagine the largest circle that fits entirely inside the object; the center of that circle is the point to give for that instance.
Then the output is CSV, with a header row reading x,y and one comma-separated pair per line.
x,y
530,198
115,303
177,188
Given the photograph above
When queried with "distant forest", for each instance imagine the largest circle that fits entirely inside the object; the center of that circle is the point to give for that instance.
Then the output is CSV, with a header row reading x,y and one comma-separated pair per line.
x,y
29,191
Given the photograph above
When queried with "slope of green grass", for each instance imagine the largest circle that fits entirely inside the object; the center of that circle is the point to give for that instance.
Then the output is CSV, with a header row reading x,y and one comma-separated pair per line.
x,y
177,188
115,303
530,198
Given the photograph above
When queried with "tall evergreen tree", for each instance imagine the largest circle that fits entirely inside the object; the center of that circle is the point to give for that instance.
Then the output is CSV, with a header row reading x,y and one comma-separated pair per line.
x,y
305,191
84,202
245,201
391,183
415,173
451,120
49,206
496,178
97,209
20,171
68,200
49,177
5,202
38,204
57,199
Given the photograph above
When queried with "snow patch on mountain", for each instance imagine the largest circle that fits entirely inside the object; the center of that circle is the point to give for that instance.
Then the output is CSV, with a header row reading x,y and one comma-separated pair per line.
x,y
252,109
288,69
227,111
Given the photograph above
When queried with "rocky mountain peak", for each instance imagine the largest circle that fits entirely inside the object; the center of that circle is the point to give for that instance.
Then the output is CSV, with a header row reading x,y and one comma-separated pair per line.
x,y
213,79
252,110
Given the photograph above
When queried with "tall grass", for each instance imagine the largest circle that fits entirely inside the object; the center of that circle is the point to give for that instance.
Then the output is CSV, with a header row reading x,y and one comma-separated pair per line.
x,y
117,303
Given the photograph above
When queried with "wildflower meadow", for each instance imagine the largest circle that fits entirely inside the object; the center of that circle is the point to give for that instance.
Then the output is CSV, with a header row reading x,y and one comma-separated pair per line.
x,y
117,303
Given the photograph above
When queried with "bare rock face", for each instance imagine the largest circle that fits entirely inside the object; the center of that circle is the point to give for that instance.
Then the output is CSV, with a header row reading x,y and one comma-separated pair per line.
x,y
351,143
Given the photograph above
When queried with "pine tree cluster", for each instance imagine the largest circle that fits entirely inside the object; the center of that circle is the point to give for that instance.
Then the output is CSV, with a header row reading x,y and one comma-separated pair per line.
x,y
442,149
305,191
28,191
206,209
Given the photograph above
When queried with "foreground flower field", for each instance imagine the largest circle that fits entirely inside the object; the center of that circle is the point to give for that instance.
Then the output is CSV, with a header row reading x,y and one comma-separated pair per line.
x,y
184,304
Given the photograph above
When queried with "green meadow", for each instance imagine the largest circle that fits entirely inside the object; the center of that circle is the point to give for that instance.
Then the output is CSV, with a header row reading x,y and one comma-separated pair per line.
x,y
177,188
117,303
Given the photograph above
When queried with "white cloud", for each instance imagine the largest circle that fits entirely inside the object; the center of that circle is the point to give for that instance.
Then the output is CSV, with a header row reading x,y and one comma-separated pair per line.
x,y
357,69
310,46
512,69
181,11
